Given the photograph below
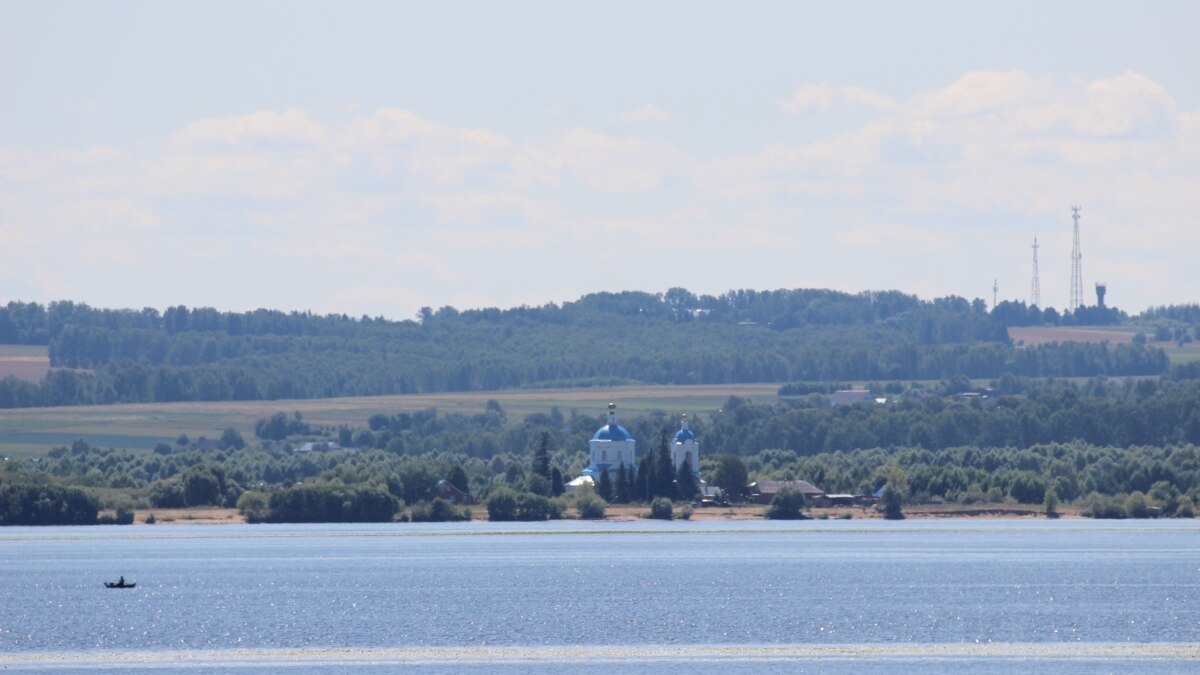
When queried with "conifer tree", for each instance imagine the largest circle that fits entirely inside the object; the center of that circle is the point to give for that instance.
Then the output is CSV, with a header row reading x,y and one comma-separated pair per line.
x,y
664,471
621,492
541,460
644,483
685,481
556,482
605,488
458,478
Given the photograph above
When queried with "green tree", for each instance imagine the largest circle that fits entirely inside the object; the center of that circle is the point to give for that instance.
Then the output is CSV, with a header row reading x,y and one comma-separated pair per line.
x,y
590,506
502,505
731,476
664,470
458,478
556,482
538,484
787,505
622,489
541,459
1135,505
604,488
893,494
230,438
662,509
1050,503
685,481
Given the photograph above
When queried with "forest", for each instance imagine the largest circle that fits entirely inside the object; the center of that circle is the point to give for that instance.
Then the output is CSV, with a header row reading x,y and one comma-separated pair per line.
x,y
103,356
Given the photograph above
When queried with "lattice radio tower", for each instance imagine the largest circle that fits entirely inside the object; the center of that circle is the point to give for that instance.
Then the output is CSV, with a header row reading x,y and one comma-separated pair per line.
x,y
1035,291
1076,267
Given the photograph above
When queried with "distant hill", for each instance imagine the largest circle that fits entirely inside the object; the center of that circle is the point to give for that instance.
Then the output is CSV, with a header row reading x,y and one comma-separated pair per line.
x,y
675,337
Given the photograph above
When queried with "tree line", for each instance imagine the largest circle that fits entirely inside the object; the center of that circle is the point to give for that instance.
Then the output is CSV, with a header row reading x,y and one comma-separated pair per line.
x,y
105,356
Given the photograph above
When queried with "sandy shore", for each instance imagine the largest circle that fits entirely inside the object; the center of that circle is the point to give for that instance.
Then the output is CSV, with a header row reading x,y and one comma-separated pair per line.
x,y
215,516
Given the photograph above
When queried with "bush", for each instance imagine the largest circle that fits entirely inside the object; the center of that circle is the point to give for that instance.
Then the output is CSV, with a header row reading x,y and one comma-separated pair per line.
x,y
332,504
590,507
255,506
437,511
1135,506
787,505
662,509
1185,509
502,506
531,507
150,519
1104,507
686,512
122,516
1050,504
46,505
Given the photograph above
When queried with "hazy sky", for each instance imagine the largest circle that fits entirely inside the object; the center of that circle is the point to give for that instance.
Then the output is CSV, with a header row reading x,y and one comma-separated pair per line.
x,y
372,158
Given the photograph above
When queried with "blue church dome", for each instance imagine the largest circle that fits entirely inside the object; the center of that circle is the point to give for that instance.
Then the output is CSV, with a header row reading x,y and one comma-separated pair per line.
x,y
612,432
685,435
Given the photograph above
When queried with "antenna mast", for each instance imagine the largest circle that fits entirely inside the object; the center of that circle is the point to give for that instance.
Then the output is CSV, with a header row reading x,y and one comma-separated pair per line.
x,y
1076,267
995,290
1035,292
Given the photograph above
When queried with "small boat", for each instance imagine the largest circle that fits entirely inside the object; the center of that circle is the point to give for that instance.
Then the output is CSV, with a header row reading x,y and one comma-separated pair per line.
x,y
119,584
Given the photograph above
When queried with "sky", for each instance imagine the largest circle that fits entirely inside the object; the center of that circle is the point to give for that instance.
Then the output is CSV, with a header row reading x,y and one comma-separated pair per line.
x,y
372,158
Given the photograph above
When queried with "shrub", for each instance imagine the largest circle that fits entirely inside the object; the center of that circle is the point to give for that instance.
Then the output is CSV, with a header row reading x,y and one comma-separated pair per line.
x,y
590,507
662,509
437,511
531,507
686,512
46,505
1050,503
1105,507
502,505
1135,506
255,506
787,505
150,519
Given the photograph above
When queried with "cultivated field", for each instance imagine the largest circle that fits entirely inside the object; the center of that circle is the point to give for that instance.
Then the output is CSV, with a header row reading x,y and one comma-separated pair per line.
x,y
1036,335
33,431
24,362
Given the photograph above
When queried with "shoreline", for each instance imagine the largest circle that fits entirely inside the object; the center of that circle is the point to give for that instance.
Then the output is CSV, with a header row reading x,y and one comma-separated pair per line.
x,y
624,512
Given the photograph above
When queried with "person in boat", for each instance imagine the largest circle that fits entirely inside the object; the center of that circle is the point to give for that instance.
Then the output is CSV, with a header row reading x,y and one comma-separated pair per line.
x,y
121,581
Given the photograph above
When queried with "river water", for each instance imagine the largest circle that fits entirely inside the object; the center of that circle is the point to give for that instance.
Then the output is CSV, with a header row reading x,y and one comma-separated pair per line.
x,y
841,596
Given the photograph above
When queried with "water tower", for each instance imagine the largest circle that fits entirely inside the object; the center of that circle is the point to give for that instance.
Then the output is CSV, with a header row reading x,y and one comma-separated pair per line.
x,y
1101,289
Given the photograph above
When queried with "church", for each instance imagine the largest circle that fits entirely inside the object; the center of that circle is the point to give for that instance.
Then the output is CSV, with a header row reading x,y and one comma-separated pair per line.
x,y
613,445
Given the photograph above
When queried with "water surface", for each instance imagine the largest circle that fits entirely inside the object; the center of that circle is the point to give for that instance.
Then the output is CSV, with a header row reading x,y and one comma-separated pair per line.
x,y
844,595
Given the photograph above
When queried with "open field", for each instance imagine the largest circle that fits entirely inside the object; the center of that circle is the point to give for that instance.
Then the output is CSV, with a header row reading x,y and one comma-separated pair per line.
x,y
1037,335
138,426
24,362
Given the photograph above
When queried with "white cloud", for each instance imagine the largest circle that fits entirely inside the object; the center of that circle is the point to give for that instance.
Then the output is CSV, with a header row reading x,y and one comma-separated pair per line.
x,y
810,97
647,114
263,127
431,211
824,96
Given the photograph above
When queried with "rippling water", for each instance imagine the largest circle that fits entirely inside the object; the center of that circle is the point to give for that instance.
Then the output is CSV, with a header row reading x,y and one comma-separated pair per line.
x,y
478,597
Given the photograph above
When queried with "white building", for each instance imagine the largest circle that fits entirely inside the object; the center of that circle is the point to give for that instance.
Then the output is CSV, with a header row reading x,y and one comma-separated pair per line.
x,y
610,447
686,448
